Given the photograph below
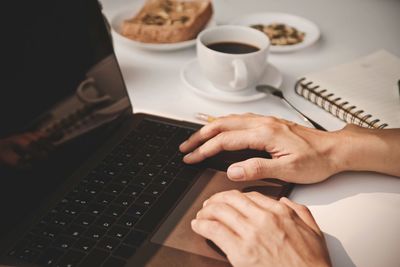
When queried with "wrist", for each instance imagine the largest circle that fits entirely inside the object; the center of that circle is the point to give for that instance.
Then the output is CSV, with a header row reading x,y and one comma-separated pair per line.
x,y
360,149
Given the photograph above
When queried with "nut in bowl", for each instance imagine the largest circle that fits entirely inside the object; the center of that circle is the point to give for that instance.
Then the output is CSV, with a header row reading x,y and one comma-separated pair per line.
x,y
163,24
281,34
287,32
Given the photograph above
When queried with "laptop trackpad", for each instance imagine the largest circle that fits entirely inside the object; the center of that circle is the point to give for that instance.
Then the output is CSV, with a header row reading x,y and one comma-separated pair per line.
x,y
176,231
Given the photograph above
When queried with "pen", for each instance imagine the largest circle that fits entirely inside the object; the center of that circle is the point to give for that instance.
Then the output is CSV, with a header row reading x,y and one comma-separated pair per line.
x,y
204,117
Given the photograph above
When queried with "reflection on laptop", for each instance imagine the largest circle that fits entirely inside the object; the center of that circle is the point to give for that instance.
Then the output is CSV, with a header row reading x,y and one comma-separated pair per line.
x,y
84,180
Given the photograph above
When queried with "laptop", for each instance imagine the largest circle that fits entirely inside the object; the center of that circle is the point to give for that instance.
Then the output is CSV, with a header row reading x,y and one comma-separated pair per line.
x,y
85,181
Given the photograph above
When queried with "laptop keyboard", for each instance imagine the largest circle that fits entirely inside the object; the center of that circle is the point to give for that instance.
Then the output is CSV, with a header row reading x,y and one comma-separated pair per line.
x,y
109,214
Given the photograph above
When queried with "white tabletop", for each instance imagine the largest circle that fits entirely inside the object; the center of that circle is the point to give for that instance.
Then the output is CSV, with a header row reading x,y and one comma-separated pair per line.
x,y
358,212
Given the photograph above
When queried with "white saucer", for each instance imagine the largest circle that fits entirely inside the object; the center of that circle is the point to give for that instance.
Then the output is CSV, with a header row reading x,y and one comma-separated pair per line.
x,y
310,29
117,20
193,78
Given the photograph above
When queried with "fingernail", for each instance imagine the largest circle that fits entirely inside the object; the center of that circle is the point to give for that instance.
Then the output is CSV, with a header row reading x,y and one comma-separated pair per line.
x,y
205,203
187,156
197,214
236,173
184,143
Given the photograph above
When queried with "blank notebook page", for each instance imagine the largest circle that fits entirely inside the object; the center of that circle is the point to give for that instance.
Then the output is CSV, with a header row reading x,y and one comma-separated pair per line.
x,y
370,83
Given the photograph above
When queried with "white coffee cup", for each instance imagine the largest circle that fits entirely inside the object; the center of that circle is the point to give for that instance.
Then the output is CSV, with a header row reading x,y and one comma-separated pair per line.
x,y
232,72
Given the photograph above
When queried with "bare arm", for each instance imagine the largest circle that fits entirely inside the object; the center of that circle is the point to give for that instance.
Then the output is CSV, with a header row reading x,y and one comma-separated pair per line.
x,y
363,149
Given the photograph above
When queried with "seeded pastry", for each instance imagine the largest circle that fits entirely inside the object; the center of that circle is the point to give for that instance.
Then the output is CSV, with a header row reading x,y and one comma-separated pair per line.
x,y
168,21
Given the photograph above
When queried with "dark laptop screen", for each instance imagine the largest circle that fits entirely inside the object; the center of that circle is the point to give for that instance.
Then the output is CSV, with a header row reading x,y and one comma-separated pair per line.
x,y
61,93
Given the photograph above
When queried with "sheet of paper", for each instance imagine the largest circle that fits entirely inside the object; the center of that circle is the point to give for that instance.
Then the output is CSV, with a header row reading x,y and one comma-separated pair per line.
x,y
369,83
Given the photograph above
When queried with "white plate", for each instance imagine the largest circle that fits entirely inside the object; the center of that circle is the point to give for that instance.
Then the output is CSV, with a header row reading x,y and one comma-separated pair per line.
x,y
310,29
193,78
119,17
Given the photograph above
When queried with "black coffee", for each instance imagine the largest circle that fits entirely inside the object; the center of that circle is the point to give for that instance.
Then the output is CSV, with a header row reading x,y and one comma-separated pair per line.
x,y
233,47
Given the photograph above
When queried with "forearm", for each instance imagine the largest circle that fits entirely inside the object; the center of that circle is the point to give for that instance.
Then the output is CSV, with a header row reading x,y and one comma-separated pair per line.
x,y
360,149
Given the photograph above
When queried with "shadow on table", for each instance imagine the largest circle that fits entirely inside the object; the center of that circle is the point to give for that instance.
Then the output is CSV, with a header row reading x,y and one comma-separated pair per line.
x,y
336,248
345,185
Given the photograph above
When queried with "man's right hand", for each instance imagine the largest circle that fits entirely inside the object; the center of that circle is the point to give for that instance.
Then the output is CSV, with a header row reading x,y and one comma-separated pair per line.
x,y
299,154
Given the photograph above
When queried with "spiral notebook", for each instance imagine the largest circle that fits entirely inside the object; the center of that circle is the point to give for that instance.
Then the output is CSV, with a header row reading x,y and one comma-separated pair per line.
x,y
364,92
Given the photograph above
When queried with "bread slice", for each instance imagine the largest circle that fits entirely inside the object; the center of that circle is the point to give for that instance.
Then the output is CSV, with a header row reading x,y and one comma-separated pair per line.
x,y
168,21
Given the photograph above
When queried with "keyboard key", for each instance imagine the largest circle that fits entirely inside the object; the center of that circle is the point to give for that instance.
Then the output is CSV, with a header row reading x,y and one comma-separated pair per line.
x,y
62,219
150,172
95,232
85,219
136,210
70,259
75,230
169,171
162,181
133,169
40,243
64,242
118,231
133,190
154,190
84,244
141,181
122,180
27,254
145,200
114,210
105,199
105,221
108,243
157,142
135,238
159,162
95,258
100,180
127,220
95,208
124,251
49,257
51,231
72,209
114,262
124,200
149,152
92,189
114,189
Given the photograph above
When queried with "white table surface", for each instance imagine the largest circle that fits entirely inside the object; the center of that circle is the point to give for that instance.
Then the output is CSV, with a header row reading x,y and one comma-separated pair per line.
x,y
358,212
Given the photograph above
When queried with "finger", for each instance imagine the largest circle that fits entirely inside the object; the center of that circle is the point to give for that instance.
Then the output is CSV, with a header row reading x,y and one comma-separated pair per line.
x,y
229,141
234,122
261,200
257,168
237,200
269,204
221,235
303,212
227,215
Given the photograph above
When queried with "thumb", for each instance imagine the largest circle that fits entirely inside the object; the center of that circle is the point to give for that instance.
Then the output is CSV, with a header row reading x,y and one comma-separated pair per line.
x,y
256,168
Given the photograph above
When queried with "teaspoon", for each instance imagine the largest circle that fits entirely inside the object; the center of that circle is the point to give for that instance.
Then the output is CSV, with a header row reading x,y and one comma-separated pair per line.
x,y
268,89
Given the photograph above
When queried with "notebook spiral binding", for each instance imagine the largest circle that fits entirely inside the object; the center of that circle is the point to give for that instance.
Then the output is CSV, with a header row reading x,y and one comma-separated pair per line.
x,y
336,106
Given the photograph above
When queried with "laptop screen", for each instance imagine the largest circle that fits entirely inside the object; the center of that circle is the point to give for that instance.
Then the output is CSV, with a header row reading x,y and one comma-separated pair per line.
x,y
62,94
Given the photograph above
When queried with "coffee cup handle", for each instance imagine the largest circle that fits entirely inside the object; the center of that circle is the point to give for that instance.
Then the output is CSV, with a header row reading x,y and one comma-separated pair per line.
x,y
240,74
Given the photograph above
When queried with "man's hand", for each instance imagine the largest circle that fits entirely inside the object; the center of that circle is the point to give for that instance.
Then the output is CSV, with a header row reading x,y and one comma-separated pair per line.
x,y
254,230
299,154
